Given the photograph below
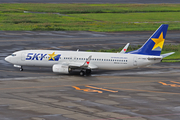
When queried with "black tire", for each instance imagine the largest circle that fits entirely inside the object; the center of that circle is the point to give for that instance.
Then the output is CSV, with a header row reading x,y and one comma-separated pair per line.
x,y
88,71
21,69
82,73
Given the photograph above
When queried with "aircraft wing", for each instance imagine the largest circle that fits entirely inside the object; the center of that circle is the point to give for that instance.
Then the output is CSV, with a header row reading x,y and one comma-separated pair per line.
x,y
124,49
86,63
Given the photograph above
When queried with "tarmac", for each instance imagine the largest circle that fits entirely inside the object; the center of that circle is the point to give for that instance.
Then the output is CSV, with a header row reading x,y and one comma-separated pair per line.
x,y
125,97
148,93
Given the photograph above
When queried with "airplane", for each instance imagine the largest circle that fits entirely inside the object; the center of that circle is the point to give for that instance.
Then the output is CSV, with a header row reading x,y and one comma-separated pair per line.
x,y
64,62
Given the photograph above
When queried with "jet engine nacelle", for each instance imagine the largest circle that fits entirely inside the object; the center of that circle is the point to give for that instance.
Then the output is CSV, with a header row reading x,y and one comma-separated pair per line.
x,y
58,68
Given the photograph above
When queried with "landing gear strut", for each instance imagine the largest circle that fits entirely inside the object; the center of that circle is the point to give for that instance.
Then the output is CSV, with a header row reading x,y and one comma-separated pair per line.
x,y
18,66
88,71
21,69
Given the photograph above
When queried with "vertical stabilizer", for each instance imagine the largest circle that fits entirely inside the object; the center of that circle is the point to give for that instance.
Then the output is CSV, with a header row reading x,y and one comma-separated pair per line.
x,y
154,44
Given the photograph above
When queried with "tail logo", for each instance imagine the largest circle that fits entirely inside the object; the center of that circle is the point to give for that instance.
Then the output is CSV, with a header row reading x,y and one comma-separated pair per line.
x,y
158,43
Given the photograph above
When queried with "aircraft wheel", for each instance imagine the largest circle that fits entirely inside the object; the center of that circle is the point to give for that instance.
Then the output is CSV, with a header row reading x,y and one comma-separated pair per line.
x,y
21,69
88,71
82,73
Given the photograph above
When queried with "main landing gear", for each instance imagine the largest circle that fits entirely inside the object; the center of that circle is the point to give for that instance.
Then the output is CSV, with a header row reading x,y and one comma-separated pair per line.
x,y
82,73
87,72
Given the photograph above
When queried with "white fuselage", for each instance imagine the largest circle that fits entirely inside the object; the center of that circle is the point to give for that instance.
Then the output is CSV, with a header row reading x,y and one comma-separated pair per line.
x,y
99,60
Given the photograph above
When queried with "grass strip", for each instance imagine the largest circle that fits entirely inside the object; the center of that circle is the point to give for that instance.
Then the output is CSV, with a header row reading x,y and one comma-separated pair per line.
x,y
104,22
88,17
87,8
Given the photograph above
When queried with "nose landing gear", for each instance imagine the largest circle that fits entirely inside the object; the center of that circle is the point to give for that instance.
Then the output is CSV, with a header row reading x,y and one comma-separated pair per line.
x,y
21,69
18,66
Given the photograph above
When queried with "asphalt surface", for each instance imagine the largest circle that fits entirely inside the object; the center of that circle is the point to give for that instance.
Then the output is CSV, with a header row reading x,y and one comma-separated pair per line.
x,y
90,1
151,94
148,93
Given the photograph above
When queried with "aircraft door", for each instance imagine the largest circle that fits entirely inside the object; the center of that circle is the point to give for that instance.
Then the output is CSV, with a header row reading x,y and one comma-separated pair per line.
x,y
23,56
135,61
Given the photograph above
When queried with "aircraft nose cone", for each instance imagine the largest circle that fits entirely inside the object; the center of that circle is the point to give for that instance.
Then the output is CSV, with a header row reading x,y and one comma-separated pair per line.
x,y
8,59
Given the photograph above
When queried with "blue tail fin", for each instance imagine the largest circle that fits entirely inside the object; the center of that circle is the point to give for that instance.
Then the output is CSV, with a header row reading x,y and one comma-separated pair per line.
x,y
154,44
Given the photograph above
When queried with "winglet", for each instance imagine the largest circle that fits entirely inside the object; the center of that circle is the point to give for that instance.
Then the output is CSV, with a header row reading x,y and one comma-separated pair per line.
x,y
86,63
124,49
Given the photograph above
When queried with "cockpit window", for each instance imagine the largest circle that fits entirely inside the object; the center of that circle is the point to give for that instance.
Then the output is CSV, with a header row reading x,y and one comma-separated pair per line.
x,y
13,54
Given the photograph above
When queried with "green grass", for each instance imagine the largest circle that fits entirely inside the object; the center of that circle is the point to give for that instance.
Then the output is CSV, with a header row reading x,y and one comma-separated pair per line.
x,y
88,8
104,22
30,21
132,21
89,17
131,17
166,49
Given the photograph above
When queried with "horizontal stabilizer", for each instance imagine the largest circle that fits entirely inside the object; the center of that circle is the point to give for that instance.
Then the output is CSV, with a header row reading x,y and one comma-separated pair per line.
x,y
167,54
124,49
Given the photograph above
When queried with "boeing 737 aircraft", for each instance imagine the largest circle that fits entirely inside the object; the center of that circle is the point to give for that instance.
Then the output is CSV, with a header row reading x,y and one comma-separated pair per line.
x,y
67,61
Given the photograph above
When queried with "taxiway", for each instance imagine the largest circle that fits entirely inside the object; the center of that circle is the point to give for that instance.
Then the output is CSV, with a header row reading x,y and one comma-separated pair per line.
x,y
148,93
